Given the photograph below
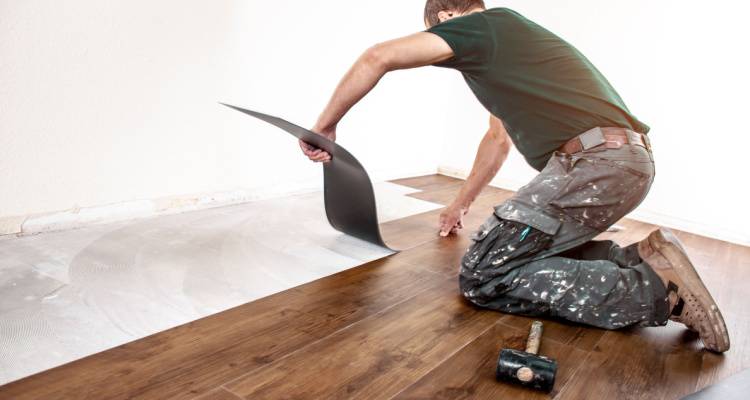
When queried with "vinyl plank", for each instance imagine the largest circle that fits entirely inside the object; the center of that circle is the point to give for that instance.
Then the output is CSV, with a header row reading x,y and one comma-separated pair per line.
x,y
578,336
219,394
640,363
442,255
419,229
427,183
446,195
412,231
470,373
376,357
727,274
197,357
715,367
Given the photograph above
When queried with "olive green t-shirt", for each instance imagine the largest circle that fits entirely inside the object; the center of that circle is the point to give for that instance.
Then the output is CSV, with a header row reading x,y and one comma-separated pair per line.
x,y
542,88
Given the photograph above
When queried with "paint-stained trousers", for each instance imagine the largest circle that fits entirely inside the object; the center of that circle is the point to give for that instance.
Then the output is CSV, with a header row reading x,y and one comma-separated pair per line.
x,y
535,255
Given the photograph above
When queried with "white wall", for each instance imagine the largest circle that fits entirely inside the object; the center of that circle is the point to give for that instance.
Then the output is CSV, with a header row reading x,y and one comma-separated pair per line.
x,y
114,102
111,102
682,67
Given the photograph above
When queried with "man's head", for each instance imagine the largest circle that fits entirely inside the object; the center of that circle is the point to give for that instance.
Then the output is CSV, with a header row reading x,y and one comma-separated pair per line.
x,y
437,11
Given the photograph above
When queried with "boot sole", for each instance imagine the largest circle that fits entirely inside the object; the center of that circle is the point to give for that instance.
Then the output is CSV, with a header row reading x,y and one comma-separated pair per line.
x,y
664,242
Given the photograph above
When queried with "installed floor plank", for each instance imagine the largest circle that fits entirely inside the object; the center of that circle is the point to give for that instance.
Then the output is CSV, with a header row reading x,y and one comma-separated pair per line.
x,y
470,373
197,357
376,357
651,363
398,327
429,183
219,394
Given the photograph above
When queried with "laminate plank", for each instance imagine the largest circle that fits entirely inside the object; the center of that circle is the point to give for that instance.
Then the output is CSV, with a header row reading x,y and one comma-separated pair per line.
x,y
715,368
442,255
219,394
446,195
578,336
729,273
194,358
376,357
470,373
640,363
427,183
725,269
419,229
412,231
416,230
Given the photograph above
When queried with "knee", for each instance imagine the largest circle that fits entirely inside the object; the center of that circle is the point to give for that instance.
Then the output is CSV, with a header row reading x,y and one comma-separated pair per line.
x,y
468,289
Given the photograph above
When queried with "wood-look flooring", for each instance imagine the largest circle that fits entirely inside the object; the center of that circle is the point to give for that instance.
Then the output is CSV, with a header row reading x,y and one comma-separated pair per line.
x,y
397,328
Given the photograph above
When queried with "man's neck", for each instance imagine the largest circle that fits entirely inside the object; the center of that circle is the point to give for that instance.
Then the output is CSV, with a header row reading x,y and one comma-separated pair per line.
x,y
475,10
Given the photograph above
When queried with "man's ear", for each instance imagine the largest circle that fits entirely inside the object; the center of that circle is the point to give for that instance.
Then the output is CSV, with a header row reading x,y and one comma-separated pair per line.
x,y
444,15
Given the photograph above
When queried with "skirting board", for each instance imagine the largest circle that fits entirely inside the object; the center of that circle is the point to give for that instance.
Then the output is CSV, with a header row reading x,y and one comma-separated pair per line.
x,y
641,214
76,218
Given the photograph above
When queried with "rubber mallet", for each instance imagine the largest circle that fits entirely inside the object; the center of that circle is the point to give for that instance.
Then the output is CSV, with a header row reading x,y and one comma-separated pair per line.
x,y
527,368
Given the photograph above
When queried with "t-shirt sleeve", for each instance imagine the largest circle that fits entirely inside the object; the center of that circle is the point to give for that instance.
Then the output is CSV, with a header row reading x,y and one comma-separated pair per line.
x,y
470,38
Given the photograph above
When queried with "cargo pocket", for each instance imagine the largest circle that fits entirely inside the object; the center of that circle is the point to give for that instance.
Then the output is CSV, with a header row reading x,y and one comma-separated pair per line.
x,y
533,217
511,237
491,223
600,192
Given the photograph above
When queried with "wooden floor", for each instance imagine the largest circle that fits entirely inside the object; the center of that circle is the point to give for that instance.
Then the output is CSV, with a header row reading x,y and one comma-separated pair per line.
x,y
397,328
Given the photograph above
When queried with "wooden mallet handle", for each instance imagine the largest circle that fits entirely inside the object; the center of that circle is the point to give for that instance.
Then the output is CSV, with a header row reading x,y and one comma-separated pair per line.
x,y
535,338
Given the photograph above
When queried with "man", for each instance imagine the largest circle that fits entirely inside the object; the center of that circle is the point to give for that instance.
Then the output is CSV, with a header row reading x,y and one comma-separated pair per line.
x,y
535,254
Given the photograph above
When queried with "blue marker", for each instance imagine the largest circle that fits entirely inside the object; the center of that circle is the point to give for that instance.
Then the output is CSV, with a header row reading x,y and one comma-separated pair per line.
x,y
525,233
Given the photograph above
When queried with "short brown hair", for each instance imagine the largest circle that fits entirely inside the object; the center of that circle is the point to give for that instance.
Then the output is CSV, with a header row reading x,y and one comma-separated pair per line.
x,y
433,7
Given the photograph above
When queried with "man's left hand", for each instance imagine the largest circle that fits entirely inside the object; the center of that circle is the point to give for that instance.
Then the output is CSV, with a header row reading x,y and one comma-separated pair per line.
x,y
451,220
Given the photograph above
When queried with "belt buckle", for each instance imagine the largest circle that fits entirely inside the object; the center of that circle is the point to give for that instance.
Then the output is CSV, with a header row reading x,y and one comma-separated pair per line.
x,y
592,138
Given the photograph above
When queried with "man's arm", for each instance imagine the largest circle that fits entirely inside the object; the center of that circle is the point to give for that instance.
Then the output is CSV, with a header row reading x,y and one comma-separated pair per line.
x,y
417,50
490,157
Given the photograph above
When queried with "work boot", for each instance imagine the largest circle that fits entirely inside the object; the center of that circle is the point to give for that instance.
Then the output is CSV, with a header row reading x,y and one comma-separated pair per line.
x,y
690,302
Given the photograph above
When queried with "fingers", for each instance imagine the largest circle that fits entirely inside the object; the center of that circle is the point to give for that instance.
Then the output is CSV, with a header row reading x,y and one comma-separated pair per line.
x,y
449,230
320,156
307,150
443,223
450,225
444,229
313,153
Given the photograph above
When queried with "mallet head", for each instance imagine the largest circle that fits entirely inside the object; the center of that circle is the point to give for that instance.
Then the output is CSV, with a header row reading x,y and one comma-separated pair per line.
x,y
526,367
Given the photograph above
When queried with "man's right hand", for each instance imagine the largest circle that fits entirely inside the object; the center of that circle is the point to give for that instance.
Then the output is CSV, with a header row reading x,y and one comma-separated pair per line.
x,y
315,154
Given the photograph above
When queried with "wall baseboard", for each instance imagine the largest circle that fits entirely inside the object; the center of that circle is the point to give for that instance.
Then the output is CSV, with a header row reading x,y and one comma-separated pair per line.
x,y
80,217
75,218
641,214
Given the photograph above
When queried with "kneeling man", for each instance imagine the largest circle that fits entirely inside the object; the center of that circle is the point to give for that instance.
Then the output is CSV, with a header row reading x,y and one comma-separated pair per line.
x,y
535,255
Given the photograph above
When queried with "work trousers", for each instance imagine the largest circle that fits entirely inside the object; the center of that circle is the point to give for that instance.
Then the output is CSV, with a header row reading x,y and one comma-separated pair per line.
x,y
535,255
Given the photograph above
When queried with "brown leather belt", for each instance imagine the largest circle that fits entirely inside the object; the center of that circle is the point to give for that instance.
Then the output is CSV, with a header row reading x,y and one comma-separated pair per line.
x,y
610,138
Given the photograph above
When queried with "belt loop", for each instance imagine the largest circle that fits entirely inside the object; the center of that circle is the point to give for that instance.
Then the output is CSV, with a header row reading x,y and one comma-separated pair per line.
x,y
632,136
646,141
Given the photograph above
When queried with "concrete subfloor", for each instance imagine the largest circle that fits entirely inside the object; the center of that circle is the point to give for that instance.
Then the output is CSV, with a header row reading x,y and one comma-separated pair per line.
x,y
66,295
